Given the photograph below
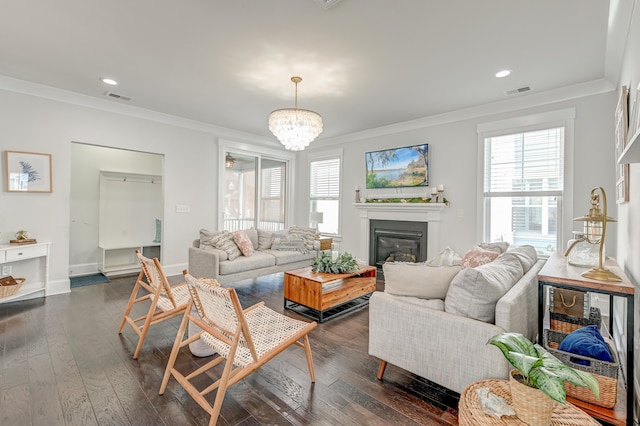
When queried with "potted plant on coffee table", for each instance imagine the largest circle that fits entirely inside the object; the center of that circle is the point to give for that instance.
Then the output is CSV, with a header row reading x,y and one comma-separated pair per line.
x,y
539,378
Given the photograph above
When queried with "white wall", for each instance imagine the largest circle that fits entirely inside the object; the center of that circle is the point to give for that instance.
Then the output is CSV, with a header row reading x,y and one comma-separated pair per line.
x,y
453,150
37,124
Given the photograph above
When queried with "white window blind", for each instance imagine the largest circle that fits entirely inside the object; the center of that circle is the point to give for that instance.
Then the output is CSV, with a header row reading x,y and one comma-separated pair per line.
x,y
324,190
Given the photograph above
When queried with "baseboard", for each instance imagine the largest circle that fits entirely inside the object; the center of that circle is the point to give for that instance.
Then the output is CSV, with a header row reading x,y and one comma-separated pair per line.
x,y
58,287
83,269
175,269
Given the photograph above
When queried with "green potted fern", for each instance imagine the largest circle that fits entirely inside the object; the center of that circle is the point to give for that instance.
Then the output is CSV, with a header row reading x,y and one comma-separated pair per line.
x,y
539,378
345,263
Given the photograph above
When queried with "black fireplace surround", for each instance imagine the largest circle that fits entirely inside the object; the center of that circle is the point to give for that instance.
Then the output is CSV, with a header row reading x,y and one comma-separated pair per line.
x,y
394,240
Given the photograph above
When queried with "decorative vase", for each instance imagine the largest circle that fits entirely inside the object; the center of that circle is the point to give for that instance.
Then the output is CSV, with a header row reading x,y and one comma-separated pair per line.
x,y
532,406
581,252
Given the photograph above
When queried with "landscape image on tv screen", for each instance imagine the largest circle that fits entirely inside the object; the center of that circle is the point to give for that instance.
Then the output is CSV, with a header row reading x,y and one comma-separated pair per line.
x,y
398,167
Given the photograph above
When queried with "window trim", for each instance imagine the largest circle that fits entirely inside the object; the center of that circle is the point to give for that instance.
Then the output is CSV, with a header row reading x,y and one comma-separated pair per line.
x,y
559,118
320,156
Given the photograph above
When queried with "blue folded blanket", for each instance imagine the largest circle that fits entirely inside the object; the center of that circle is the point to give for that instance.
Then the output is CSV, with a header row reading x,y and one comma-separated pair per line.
x,y
586,341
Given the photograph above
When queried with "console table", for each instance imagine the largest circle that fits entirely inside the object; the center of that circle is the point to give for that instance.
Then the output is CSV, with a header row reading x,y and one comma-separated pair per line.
x,y
30,261
557,272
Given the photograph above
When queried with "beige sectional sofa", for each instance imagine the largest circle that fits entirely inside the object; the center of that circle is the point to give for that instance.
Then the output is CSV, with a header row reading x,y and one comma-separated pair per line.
x,y
443,339
213,256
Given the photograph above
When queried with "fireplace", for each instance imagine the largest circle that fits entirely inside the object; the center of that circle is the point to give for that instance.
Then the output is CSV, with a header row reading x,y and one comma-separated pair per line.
x,y
400,241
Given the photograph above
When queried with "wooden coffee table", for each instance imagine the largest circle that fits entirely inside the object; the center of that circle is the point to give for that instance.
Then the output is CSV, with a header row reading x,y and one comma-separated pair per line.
x,y
322,296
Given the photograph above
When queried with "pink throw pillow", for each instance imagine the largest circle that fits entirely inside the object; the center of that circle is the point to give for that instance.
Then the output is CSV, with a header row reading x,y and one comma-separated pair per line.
x,y
478,256
243,242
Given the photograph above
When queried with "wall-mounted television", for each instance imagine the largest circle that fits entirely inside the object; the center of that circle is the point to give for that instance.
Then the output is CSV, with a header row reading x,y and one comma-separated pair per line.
x,y
398,167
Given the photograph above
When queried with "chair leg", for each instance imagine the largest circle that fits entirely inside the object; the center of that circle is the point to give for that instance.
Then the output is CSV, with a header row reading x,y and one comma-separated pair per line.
x,y
145,327
132,298
307,350
175,349
381,368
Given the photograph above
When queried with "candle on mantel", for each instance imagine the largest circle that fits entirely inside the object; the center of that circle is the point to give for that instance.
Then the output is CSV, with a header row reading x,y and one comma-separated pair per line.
x,y
441,187
357,187
434,191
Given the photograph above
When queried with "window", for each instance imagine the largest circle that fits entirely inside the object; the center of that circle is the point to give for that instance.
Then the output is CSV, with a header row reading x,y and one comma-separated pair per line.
x,y
523,187
324,194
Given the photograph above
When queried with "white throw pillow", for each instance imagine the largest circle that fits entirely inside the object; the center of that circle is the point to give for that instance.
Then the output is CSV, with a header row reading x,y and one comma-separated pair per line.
x,y
418,279
474,292
446,257
527,255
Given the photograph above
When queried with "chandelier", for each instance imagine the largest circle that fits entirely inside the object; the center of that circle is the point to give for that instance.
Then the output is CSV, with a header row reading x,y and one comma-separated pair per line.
x,y
295,128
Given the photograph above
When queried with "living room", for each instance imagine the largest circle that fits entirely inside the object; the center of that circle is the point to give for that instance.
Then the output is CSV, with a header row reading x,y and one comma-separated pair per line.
x,y
44,119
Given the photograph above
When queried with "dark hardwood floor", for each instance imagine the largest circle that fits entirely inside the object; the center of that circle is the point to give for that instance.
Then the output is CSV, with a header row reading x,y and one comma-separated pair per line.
x,y
62,362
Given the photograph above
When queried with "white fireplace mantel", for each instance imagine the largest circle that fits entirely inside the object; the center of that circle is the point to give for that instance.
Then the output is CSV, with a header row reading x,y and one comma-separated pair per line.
x,y
414,212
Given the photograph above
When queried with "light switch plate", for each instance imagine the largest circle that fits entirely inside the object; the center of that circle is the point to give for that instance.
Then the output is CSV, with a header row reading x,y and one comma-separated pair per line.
x,y
6,270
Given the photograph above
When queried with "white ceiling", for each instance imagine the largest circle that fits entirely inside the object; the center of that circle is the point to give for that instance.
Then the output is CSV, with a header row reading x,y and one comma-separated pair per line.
x,y
364,63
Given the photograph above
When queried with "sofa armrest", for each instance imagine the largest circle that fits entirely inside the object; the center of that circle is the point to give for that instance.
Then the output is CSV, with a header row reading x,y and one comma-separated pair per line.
x,y
517,310
448,349
203,263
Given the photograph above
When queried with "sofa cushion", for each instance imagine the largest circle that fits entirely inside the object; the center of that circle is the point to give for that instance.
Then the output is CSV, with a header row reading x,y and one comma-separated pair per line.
x,y
205,238
308,235
243,242
418,279
437,304
288,243
243,263
224,241
477,256
446,257
527,255
282,257
499,246
264,239
474,292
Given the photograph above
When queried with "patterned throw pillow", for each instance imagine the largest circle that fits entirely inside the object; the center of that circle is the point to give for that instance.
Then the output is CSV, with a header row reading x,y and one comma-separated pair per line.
x,y
308,235
224,241
478,256
205,238
243,242
288,243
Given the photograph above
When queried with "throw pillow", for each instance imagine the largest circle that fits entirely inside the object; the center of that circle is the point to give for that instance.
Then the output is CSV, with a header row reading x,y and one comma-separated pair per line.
x,y
586,341
252,233
474,292
264,239
289,243
308,235
418,279
478,256
243,242
446,257
205,238
224,241
527,255
499,246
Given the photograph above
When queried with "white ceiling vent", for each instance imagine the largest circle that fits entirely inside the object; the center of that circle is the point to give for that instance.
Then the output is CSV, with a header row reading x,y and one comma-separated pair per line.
x,y
117,96
518,90
326,4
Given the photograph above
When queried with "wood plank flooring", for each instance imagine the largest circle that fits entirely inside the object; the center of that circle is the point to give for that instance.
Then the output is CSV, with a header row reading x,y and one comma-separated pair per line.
x,y
62,362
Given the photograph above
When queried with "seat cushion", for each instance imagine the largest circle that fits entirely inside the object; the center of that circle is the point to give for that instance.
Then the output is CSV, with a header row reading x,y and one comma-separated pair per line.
x,y
282,257
242,264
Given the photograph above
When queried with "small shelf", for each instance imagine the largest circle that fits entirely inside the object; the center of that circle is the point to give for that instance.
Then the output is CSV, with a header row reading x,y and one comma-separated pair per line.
x,y
631,153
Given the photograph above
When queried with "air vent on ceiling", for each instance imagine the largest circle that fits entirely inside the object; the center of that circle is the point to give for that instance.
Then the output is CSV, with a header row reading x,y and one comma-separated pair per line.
x,y
326,4
518,90
117,96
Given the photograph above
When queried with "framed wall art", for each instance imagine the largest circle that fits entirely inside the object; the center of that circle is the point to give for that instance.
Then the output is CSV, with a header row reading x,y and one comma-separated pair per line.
x,y
622,126
27,172
398,167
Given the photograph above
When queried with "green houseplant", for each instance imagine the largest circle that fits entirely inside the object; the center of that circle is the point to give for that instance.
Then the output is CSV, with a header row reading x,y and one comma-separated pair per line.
x,y
344,263
538,370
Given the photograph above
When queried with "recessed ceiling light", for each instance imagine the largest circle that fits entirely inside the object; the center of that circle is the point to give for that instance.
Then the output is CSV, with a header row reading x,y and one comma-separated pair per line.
x,y
109,81
503,73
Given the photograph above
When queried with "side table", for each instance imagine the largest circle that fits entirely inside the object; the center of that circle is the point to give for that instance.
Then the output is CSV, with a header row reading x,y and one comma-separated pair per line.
x,y
470,412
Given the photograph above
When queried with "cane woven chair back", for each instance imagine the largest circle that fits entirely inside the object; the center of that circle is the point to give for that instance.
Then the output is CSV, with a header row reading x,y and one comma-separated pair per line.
x,y
244,340
166,301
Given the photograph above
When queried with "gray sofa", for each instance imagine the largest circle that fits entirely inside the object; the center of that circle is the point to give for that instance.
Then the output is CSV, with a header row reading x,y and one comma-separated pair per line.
x,y
206,261
429,338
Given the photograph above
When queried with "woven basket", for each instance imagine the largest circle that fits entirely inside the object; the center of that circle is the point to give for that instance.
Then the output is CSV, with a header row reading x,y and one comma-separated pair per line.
x,y
532,406
7,290
567,323
605,372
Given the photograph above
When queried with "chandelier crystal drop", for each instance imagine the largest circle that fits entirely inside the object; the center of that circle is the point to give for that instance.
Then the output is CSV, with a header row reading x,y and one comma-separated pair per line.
x,y
295,128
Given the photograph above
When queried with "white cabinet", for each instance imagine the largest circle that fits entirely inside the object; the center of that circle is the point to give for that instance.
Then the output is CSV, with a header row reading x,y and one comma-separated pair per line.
x,y
121,259
30,261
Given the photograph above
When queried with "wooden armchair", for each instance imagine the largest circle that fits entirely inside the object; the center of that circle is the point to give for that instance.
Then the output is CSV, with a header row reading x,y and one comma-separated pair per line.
x,y
166,301
244,340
